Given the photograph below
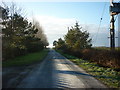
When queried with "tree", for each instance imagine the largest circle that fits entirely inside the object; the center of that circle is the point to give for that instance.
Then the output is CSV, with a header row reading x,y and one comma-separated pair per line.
x,y
19,36
76,39
40,34
13,36
60,44
55,43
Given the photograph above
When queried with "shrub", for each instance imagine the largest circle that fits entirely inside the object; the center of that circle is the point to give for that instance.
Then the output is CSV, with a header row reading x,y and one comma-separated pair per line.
x,y
104,57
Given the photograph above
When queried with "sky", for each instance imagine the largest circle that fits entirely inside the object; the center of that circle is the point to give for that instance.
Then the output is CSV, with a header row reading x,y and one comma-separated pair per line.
x,y
56,17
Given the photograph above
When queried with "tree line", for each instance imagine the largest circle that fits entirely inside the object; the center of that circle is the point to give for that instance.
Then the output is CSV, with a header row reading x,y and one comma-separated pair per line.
x,y
74,41
77,42
19,35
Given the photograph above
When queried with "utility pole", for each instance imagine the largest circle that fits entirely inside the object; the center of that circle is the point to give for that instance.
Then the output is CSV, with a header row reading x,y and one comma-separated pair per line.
x,y
114,10
112,33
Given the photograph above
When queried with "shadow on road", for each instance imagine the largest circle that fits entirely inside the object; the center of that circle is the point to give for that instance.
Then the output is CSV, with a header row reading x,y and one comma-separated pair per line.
x,y
79,73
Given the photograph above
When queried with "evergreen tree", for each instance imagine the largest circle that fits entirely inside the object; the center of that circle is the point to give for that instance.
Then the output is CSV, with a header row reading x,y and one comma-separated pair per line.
x,y
55,43
76,39
19,35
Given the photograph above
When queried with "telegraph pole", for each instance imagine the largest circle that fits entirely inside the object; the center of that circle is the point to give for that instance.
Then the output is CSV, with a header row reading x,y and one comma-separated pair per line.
x,y
112,33
114,10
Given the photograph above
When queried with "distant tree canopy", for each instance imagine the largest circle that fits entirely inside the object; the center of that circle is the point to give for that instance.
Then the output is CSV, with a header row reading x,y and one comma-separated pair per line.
x,y
19,36
74,41
60,44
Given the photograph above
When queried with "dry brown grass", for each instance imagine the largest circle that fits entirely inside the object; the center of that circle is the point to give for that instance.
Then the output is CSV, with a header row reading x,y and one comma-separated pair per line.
x,y
103,57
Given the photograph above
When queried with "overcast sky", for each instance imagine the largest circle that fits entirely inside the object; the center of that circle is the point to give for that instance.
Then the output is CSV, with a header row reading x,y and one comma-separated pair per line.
x,y
56,17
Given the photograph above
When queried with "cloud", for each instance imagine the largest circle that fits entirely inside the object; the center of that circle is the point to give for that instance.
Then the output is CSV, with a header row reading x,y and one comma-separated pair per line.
x,y
58,0
93,28
55,27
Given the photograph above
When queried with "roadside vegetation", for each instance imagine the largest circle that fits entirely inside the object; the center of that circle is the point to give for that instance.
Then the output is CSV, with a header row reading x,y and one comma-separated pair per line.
x,y
28,59
101,62
78,43
106,75
103,57
20,36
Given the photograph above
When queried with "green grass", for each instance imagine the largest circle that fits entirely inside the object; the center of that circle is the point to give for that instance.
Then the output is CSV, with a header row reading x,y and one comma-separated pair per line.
x,y
108,76
26,60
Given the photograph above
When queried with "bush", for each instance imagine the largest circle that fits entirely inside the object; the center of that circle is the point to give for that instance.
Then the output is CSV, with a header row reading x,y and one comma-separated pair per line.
x,y
104,57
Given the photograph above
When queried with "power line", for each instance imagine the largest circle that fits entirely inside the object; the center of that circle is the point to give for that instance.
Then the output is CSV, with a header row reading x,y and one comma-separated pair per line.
x,y
100,24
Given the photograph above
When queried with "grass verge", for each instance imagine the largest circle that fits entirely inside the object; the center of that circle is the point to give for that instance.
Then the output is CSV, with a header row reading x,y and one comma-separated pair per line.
x,y
108,76
26,59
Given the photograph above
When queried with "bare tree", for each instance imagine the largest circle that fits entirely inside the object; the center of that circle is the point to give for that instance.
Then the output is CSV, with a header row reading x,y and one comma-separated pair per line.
x,y
40,34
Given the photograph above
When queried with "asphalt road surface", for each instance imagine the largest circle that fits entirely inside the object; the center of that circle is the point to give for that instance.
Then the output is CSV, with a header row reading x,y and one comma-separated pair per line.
x,y
58,72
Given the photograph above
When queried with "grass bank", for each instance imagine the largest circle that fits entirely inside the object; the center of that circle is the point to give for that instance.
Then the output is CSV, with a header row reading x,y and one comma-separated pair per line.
x,y
108,76
27,59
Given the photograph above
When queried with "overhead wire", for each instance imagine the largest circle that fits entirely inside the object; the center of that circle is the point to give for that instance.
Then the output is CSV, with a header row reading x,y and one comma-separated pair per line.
x,y
100,24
